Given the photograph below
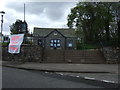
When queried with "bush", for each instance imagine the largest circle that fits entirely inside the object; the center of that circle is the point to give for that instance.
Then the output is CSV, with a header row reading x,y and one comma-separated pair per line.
x,y
5,44
82,46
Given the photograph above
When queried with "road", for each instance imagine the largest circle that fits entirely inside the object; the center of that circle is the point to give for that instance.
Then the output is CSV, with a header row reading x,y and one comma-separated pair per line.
x,y
19,78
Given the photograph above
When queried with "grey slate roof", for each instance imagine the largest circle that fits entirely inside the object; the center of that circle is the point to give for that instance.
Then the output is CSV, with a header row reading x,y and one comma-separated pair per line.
x,y
45,31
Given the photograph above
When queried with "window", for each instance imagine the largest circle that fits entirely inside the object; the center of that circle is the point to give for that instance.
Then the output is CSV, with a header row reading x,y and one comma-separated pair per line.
x,y
70,45
51,41
39,41
51,44
55,33
58,41
55,43
58,45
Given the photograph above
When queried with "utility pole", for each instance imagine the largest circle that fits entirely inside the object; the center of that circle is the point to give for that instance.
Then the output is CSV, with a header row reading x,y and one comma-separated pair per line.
x,y
2,12
24,12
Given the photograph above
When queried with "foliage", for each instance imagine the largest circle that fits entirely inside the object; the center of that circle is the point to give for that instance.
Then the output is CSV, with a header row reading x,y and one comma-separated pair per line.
x,y
5,44
82,46
19,27
93,20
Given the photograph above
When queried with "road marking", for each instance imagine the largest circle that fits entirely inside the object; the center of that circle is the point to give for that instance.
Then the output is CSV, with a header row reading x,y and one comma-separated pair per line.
x,y
77,76
72,75
61,73
46,72
108,81
89,78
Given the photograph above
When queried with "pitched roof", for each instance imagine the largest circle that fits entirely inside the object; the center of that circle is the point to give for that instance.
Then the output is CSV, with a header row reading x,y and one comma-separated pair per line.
x,y
45,31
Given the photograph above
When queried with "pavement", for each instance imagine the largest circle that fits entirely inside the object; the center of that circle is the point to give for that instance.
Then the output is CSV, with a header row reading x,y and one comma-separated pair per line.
x,y
106,73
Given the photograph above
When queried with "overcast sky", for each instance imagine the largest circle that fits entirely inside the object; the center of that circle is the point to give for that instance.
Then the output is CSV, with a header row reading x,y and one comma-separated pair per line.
x,y
47,14
38,14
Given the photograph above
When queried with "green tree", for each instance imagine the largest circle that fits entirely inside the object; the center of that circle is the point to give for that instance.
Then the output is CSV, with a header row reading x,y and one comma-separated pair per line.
x,y
19,27
116,13
107,18
93,18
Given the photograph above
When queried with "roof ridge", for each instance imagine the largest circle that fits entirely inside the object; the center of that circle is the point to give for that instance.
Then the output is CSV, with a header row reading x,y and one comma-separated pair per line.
x,y
54,28
45,31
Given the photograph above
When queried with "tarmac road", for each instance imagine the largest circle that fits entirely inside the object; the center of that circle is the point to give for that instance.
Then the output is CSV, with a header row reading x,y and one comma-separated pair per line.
x,y
18,78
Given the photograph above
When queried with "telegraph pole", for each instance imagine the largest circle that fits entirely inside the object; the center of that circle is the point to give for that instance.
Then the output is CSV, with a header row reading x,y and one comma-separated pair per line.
x,y
2,12
24,11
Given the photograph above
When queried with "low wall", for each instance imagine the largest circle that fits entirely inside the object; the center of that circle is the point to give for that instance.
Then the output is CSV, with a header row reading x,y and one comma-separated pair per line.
x,y
93,56
34,53
112,55
28,53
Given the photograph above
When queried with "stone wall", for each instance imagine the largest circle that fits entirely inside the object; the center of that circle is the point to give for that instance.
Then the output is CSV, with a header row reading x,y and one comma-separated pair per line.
x,y
28,53
92,56
112,54
34,53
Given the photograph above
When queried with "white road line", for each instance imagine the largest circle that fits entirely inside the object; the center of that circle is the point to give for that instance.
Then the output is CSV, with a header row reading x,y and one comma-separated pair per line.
x,y
72,75
46,72
108,81
61,73
77,76
89,78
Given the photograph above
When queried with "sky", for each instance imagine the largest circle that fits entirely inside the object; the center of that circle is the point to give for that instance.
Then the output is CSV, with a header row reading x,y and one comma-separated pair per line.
x,y
38,14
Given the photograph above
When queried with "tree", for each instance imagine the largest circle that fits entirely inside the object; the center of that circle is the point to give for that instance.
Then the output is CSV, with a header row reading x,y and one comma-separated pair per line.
x,y
107,18
116,13
94,19
19,27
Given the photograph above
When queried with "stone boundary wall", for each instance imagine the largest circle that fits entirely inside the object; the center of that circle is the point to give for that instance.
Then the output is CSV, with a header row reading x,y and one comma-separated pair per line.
x,y
34,53
28,53
92,56
112,54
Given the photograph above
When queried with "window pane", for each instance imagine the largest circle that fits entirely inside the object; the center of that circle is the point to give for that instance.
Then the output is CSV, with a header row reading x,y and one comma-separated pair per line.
x,y
51,41
58,41
54,40
58,45
55,33
51,45
54,45
70,45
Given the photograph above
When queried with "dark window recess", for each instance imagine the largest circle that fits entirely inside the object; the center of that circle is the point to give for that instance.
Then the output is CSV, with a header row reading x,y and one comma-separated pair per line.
x,y
39,42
